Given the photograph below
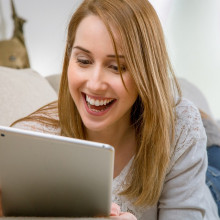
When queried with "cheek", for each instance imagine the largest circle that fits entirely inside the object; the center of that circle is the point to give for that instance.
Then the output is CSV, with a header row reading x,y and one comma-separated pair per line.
x,y
74,79
73,82
131,91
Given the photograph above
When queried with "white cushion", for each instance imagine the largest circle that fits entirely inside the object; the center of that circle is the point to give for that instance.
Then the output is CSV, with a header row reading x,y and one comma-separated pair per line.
x,y
54,81
22,92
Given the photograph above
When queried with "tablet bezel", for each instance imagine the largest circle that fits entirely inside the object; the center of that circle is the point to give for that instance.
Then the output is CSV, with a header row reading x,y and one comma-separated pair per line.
x,y
47,177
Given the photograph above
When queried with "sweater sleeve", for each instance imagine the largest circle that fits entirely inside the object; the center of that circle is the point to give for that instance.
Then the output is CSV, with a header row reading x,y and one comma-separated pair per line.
x,y
185,194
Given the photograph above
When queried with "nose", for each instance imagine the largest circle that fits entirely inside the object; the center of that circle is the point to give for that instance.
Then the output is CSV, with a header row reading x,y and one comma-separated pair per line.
x,y
97,81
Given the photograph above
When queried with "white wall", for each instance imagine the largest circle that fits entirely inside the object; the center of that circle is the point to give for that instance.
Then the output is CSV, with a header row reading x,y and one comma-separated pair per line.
x,y
45,30
187,23
192,31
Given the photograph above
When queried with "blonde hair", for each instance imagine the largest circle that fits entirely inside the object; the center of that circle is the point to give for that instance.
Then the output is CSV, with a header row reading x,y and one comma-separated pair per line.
x,y
153,113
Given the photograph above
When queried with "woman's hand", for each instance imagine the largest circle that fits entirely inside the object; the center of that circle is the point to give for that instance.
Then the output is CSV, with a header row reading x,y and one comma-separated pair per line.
x,y
117,214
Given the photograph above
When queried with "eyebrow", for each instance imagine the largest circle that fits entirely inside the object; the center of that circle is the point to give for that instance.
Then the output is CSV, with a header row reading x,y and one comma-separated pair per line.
x,y
89,52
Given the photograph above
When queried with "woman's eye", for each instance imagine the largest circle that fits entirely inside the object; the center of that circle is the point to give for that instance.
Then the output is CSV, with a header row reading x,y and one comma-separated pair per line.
x,y
83,61
115,68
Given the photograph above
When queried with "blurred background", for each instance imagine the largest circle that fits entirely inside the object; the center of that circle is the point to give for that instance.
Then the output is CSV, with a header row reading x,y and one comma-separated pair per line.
x,y
191,27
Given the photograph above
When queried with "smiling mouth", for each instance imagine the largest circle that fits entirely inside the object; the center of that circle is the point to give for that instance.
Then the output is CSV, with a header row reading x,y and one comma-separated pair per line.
x,y
98,105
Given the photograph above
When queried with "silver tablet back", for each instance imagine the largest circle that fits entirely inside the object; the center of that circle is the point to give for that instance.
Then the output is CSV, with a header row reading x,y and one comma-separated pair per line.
x,y
47,175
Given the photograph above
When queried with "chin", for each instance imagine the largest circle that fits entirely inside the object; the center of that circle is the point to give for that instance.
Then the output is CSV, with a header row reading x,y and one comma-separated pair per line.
x,y
95,126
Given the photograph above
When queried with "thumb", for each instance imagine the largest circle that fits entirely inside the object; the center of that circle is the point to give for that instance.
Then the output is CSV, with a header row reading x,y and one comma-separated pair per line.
x,y
115,210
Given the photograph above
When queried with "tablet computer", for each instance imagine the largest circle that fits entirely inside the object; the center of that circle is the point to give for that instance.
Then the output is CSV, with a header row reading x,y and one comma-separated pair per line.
x,y
49,175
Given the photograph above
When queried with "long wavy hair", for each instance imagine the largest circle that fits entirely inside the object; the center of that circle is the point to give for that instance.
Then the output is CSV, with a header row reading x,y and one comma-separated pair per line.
x,y
153,114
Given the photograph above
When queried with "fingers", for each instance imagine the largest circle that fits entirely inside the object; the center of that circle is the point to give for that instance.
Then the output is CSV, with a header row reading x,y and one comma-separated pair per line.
x,y
127,216
115,210
124,216
117,214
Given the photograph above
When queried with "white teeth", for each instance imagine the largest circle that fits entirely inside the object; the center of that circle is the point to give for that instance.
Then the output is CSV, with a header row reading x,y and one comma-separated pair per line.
x,y
97,102
92,101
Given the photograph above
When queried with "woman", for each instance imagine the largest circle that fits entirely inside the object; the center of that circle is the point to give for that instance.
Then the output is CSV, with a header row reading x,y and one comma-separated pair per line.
x,y
117,87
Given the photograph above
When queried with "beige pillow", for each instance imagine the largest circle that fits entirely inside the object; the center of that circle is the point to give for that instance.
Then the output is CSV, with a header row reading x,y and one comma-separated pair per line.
x,y
54,81
22,92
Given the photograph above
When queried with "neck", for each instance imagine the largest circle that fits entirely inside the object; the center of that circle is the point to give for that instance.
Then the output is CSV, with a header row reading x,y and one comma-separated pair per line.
x,y
122,138
116,137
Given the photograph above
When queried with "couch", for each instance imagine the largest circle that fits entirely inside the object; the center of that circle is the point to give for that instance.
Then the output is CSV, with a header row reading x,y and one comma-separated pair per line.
x,y
22,92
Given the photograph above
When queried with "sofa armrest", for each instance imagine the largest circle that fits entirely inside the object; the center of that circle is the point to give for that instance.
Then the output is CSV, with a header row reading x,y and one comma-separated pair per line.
x,y
21,93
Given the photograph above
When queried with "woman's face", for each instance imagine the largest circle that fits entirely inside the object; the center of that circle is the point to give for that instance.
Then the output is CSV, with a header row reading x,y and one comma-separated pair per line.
x,y
94,80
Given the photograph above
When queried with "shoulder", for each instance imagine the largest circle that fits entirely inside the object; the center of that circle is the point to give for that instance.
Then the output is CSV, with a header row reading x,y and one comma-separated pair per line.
x,y
187,111
189,129
188,119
